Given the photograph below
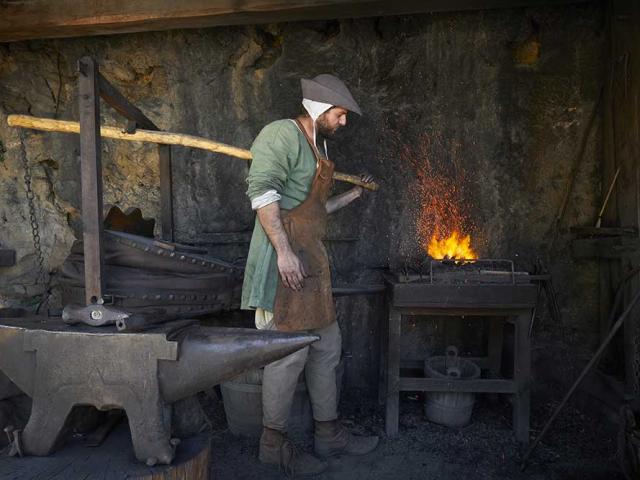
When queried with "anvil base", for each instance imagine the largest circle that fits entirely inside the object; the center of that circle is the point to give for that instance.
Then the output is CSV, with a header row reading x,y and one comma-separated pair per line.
x,y
112,460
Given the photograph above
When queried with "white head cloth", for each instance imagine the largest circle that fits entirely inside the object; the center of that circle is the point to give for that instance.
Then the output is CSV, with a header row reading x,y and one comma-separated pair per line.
x,y
315,109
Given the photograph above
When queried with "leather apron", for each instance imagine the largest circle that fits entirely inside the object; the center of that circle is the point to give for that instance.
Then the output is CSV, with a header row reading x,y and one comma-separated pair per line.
x,y
306,226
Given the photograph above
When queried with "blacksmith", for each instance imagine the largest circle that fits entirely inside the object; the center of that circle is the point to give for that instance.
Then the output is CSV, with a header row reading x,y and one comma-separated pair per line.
x,y
287,280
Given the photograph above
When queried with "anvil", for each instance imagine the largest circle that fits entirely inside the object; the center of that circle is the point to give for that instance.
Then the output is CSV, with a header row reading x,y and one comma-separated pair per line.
x,y
60,366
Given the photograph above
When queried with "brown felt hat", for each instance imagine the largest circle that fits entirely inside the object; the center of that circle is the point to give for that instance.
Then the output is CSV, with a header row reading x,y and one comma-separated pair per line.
x,y
327,88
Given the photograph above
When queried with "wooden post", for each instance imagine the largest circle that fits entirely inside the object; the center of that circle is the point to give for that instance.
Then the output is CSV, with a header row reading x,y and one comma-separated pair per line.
x,y
522,377
91,178
382,361
166,193
496,340
393,373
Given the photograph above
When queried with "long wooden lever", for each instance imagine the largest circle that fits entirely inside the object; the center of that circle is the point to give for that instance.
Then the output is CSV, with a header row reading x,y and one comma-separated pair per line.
x,y
167,138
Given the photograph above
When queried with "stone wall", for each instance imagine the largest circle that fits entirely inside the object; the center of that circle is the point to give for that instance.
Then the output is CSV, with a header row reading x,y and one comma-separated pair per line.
x,y
502,95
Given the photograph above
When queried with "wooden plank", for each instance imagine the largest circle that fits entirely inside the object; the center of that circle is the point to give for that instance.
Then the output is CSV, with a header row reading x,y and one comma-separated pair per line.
x,y
91,178
462,312
412,364
7,257
124,107
451,296
418,384
29,19
605,248
604,231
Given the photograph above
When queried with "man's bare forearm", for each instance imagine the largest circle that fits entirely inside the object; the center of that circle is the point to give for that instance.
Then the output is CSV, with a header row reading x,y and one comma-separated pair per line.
x,y
271,222
342,200
291,269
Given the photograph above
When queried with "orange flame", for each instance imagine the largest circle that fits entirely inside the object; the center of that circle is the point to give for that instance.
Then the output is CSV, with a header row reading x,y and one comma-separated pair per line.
x,y
454,246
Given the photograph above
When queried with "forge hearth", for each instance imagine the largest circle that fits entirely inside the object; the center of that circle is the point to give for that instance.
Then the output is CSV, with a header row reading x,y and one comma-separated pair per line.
x,y
445,284
480,289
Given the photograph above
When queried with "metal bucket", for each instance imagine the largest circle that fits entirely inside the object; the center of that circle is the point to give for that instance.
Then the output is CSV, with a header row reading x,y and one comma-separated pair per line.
x,y
242,398
452,409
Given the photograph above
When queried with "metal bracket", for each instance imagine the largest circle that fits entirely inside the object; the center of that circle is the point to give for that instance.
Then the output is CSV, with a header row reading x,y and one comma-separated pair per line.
x,y
131,127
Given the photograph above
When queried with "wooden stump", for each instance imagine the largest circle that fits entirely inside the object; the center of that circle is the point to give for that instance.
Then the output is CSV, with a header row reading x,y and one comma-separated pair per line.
x,y
114,459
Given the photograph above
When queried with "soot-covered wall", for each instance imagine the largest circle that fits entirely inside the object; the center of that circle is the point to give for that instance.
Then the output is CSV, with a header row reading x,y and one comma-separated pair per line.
x,y
497,100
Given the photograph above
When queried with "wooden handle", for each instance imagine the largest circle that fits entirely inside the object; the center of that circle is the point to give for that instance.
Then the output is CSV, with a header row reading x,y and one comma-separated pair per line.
x,y
606,199
166,138
345,177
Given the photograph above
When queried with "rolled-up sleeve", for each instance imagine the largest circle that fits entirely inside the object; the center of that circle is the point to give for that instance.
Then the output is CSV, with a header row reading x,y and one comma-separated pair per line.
x,y
270,166
265,199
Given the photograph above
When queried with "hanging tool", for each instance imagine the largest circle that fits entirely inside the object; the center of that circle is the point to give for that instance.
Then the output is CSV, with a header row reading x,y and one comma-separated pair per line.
x,y
606,199
166,138
577,383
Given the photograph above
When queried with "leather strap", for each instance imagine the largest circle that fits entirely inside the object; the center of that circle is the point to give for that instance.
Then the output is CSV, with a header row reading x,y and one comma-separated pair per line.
x,y
314,149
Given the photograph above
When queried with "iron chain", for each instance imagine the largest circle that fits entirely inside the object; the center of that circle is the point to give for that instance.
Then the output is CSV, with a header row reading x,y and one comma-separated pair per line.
x,y
35,229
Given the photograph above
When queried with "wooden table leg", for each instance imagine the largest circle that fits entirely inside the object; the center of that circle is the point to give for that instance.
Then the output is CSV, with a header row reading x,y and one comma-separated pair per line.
x,y
522,377
393,373
384,345
496,338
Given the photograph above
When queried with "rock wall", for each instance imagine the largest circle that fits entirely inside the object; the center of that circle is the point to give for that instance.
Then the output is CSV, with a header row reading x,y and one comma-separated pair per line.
x,y
503,96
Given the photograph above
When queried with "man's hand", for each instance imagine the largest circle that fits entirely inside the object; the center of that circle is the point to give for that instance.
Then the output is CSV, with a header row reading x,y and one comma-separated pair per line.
x,y
364,178
291,270
290,267
344,199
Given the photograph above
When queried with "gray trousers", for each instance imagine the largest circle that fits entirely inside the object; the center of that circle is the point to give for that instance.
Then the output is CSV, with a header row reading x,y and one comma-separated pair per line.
x,y
319,361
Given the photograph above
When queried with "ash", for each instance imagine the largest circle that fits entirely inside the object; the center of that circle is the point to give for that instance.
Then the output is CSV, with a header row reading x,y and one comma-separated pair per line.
x,y
578,447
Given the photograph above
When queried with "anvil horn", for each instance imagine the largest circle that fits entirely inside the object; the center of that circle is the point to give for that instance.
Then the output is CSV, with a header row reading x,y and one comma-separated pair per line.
x,y
209,355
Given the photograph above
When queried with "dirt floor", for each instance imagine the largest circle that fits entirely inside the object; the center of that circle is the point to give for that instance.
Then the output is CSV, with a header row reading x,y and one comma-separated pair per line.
x,y
578,447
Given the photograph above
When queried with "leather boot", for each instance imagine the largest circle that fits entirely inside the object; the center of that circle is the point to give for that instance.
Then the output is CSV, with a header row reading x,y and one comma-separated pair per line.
x,y
277,449
331,438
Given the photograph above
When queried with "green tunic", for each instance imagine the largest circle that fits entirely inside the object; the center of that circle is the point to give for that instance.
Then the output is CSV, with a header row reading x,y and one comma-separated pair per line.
x,y
282,161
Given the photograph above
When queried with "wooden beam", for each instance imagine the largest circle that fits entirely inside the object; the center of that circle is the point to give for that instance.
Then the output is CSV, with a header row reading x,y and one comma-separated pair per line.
x,y
140,135
30,19
418,384
119,102
91,178
124,107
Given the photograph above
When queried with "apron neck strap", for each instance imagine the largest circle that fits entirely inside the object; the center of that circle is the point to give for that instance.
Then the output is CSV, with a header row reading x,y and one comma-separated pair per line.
x,y
314,148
